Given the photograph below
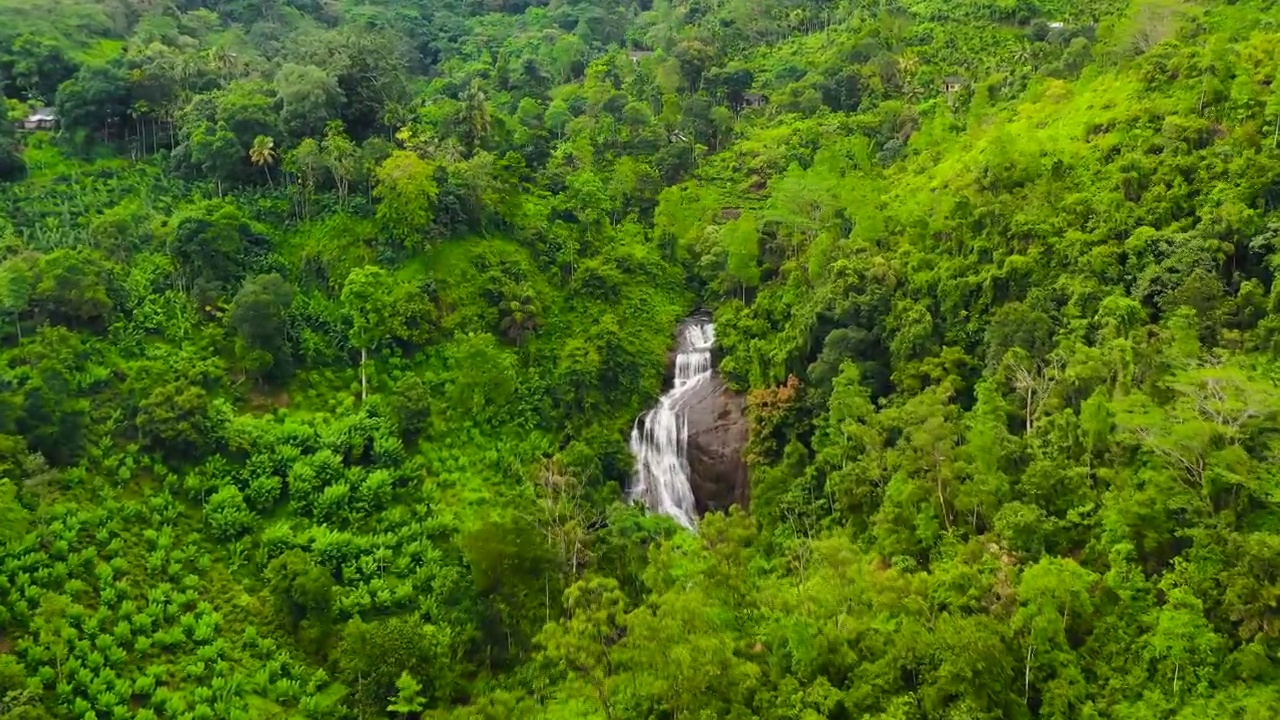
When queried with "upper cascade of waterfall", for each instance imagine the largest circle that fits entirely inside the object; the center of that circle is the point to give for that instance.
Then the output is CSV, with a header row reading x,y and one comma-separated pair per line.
x,y
660,438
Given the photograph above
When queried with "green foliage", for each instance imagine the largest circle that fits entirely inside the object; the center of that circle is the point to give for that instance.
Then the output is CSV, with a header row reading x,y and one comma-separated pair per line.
x,y
175,418
995,280
213,245
408,699
309,96
37,66
259,315
96,97
407,190
374,657
12,165
228,516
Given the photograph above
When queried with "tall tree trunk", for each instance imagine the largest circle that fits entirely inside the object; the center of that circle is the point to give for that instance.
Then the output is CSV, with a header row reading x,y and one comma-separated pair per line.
x,y
1026,679
364,379
942,503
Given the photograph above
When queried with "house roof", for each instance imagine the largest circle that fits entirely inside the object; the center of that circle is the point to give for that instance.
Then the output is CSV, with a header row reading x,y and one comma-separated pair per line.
x,y
44,113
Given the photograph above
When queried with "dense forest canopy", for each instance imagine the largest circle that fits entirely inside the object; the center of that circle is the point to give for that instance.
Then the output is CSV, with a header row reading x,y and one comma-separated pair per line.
x,y
323,325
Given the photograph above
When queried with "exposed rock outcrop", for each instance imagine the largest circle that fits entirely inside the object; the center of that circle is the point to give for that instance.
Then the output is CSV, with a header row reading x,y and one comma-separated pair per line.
x,y
717,438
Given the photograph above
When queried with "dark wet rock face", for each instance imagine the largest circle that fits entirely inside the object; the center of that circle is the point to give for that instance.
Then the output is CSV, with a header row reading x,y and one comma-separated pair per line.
x,y
717,438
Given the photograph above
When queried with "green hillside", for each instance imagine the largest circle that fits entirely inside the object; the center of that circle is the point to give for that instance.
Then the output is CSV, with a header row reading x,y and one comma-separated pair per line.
x,y
323,327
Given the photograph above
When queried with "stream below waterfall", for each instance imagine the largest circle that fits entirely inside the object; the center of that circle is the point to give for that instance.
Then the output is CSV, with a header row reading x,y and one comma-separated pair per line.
x,y
660,437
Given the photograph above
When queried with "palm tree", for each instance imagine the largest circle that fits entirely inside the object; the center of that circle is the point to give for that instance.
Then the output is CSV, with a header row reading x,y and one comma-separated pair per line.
x,y
190,68
223,60
396,116
908,65
263,154
1023,59
479,121
520,317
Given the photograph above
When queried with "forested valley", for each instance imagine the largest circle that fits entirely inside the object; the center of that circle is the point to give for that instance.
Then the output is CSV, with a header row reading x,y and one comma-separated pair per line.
x,y
324,325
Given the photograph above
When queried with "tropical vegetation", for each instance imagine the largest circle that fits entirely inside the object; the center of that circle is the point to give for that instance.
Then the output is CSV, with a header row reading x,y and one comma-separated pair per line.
x,y
323,326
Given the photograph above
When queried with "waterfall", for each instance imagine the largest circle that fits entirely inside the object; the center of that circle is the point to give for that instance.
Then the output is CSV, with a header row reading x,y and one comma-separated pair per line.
x,y
660,437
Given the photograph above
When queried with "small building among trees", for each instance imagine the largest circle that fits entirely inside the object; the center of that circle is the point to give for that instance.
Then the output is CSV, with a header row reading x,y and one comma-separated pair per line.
x,y
45,118
639,56
754,100
953,84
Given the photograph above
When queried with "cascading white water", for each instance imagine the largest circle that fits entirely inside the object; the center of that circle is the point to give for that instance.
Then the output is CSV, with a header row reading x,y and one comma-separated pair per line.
x,y
660,438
